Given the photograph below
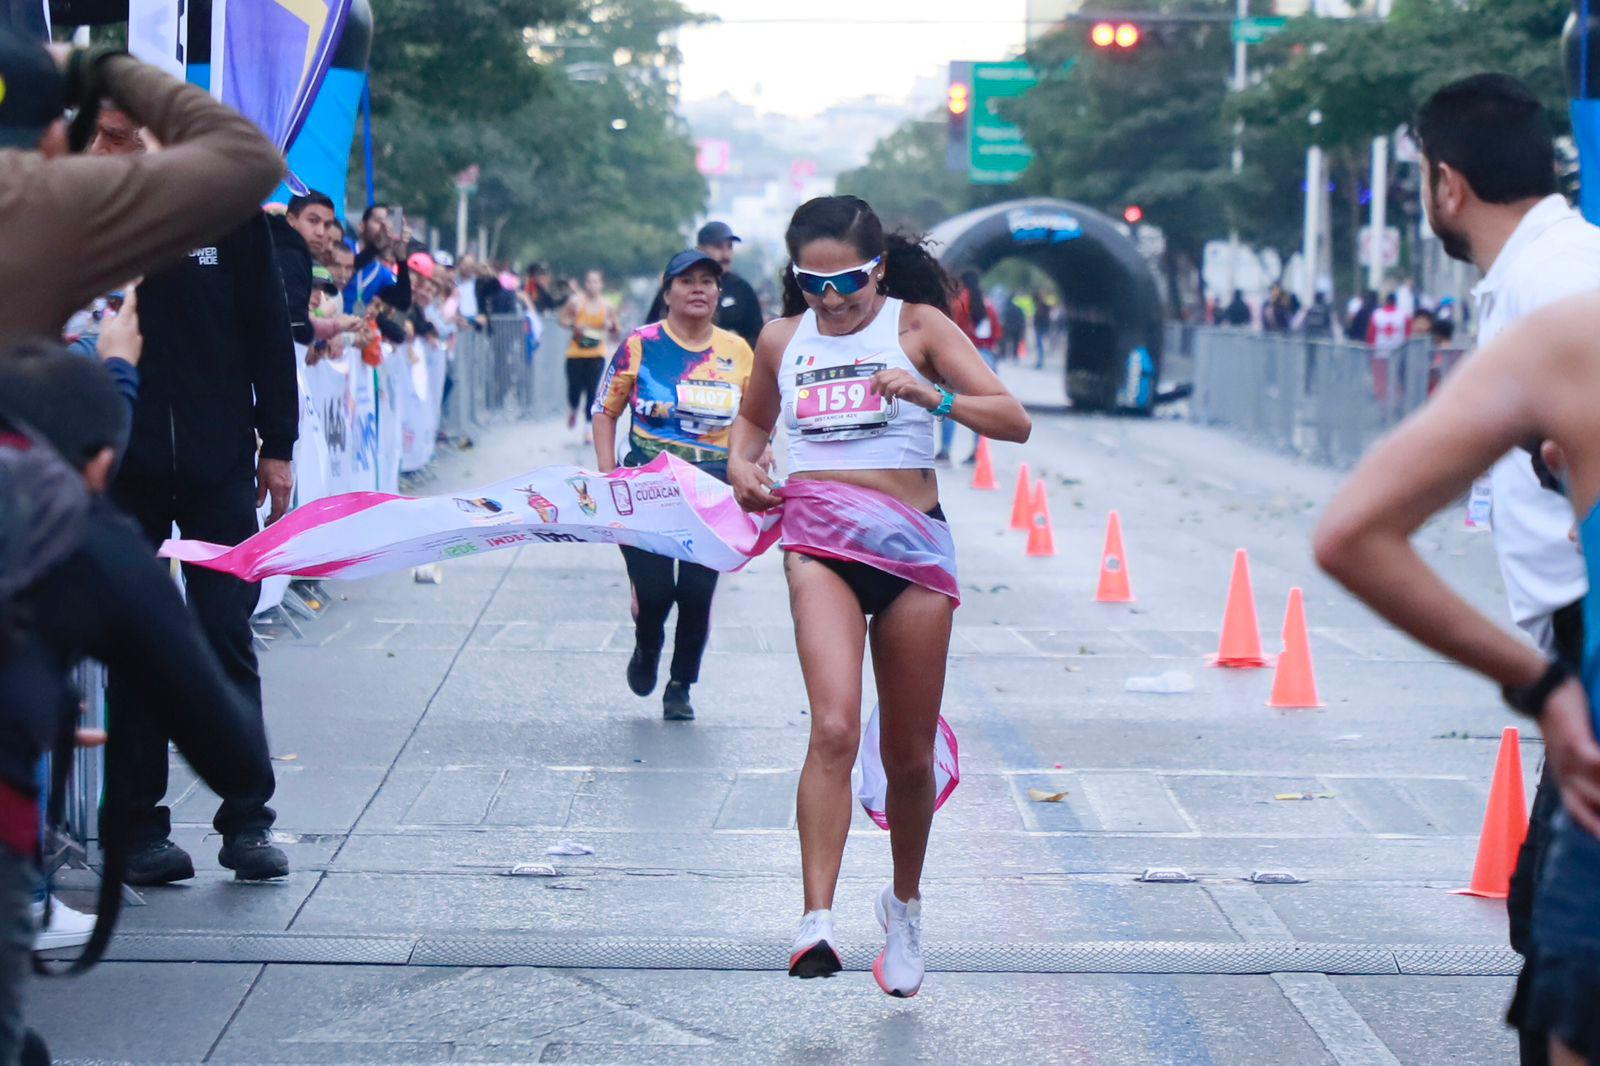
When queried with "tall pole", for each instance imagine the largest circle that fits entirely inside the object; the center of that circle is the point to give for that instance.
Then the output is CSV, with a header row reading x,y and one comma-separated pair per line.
x,y
1310,257
1379,209
1240,75
461,220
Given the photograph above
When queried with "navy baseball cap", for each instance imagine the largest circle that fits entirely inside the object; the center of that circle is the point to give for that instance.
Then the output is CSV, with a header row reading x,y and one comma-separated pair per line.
x,y
32,91
714,233
687,260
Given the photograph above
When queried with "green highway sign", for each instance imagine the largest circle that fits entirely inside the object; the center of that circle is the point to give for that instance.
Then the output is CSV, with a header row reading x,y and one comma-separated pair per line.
x,y
1258,28
997,152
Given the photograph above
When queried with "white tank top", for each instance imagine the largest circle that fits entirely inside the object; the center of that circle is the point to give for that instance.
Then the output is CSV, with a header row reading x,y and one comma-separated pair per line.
x,y
835,420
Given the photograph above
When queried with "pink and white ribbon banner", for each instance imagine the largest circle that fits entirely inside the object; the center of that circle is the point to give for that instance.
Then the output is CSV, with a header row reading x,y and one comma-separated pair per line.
x,y
667,507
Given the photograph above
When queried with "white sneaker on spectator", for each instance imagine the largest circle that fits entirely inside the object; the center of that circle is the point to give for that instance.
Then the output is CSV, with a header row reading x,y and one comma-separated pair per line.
x,y
898,967
67,929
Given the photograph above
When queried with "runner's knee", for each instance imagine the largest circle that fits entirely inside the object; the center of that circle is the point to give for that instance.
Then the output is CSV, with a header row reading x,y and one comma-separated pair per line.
x,y
906,764
834,738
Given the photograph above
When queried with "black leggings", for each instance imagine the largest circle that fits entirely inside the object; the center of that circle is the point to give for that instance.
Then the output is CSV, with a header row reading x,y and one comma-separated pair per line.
x,y
583,377
657,588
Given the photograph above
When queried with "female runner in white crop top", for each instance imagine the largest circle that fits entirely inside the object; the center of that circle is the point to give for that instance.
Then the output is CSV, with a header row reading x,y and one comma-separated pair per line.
x,y
926,362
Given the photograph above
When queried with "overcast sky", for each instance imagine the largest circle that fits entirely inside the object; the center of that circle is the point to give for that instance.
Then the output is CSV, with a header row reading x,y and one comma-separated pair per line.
x,y
800,56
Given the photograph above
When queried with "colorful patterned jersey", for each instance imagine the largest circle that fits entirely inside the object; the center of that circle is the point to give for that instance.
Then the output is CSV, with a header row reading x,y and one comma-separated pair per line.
x,y
683,401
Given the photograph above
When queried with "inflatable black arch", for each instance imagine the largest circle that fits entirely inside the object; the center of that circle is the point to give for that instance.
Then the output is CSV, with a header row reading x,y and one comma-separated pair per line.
x,y
1115,318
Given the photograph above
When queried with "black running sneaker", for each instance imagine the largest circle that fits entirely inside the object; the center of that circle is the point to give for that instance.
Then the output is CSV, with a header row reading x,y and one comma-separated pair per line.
x,y
675,705
642,669
252,856
160,863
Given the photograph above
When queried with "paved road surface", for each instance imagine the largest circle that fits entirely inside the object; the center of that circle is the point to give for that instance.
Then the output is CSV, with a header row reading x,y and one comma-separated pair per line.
x,y
432,737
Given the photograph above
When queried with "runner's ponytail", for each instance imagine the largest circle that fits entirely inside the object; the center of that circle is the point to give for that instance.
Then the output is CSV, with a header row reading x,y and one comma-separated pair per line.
x,y
911,273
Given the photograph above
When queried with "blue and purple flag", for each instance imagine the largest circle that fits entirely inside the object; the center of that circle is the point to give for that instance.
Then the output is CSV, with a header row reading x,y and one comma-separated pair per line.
x,y
272,56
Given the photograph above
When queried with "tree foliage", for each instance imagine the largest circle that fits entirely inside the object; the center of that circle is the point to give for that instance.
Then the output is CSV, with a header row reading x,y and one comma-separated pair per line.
x,y
1146,127
566,107
1367,78
906,178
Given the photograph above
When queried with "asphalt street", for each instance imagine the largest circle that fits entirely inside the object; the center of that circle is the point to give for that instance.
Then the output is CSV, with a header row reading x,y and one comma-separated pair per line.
x,y
432,738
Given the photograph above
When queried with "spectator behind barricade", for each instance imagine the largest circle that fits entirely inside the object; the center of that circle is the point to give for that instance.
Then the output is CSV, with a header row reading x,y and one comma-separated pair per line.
x,y
218,373
1237,313
1280,311
1013,326
95,591
341,264
1043,310
334,329
422,269
299,239
497,291
380,270
1316,322
539,288
467,291
90,224
1386,333
977,317
1386,329
1359,316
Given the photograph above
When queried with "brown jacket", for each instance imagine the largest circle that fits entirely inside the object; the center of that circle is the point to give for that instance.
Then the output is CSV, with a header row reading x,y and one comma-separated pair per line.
x,y
75,227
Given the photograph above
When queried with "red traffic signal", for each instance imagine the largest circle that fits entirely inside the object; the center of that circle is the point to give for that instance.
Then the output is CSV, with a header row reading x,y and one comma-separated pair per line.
x,y
1124,35
1133,214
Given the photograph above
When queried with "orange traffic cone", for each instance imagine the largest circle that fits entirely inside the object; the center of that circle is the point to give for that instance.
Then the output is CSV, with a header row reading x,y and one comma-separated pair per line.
x,y
983,475
1115,585
1505,824
1294,684
1241,635
1021,503
1041,535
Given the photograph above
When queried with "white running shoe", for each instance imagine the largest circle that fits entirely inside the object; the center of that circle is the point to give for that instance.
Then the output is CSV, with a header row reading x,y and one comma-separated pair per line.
x,y
814,954
898,968
67,929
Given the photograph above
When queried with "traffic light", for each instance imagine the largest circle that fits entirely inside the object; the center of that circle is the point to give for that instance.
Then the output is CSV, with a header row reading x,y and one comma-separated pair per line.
x,y
959,99
1122,36
957,107
1133,214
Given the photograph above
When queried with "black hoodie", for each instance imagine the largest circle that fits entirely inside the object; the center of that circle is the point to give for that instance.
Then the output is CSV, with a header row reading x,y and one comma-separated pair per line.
x,y
294,263
218,365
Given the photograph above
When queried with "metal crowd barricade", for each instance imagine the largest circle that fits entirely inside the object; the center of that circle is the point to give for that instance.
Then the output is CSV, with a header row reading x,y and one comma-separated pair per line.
x,y
1323,400
494,375
85,778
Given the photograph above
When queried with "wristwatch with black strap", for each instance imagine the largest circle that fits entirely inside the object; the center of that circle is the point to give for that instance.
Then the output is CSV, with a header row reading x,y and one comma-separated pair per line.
x,y
1531,699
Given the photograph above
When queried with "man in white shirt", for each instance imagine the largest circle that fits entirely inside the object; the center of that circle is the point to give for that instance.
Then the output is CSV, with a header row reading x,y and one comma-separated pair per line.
x,y
1491,196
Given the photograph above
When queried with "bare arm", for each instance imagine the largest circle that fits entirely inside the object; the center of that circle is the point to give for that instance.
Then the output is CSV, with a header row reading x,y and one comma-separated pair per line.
x,y
569,313
982,403
758,414
605,442
1534,381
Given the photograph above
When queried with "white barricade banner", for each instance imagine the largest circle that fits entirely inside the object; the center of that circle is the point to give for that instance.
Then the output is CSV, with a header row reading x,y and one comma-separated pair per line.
x,y
312,474
419,407
388,383
332,394
364,427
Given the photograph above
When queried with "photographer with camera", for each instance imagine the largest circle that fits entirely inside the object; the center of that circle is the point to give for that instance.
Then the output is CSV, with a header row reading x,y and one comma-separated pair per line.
x,y
78,580
89,224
